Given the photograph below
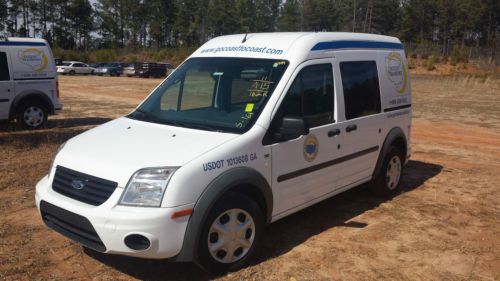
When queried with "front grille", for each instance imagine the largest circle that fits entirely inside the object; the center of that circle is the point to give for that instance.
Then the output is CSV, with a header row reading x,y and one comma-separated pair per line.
x,y
82,187
71,225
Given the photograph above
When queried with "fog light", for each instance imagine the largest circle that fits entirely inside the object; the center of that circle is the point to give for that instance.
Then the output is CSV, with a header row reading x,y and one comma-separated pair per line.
x,y
137,242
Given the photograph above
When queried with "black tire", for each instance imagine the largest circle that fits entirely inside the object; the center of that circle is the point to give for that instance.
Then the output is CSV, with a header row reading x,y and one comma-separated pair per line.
x,y
32,115
231,201
385,184
72,72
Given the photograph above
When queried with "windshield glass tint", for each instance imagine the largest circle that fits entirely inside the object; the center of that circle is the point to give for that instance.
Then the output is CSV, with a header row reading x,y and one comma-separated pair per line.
x,y
222,94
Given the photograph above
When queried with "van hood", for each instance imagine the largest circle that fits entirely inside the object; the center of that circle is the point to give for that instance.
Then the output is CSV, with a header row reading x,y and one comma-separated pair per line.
x,y
117,149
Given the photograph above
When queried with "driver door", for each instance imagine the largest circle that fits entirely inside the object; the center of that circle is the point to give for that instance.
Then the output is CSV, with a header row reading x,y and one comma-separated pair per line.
x,y
300,167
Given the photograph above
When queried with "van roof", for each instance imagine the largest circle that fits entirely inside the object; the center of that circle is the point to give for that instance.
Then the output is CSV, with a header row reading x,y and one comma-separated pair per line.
x,y
293,45
17,41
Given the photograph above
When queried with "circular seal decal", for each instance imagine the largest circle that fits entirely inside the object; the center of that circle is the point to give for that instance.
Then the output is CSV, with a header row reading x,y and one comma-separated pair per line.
x,y
311,147
396,71
34,58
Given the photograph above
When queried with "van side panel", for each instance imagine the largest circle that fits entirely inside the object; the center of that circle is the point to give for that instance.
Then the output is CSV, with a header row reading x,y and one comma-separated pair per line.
x,y
396,89
31,60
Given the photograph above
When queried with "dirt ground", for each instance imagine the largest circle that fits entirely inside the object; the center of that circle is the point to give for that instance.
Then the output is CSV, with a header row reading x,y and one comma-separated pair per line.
x,y
445,225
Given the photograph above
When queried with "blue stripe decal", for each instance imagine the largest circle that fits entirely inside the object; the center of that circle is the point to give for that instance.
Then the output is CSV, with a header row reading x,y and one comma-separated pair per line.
x,y
356,45
13,43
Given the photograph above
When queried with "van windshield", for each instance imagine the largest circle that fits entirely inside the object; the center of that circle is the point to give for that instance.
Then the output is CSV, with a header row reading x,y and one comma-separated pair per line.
x,y
217,94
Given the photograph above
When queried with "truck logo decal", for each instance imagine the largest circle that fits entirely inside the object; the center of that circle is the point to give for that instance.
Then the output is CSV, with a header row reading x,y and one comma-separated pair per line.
x,y
396,72
34,58
311,147
77,184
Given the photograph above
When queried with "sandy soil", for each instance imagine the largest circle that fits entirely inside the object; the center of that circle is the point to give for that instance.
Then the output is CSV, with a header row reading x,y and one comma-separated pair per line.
x,y
445,225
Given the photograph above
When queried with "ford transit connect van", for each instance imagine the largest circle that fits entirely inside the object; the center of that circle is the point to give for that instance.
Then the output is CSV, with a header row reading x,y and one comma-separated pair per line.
x,y
248,130
28,82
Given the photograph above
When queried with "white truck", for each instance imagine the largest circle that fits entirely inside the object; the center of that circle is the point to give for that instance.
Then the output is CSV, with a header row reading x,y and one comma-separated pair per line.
x,y
28,82
248,130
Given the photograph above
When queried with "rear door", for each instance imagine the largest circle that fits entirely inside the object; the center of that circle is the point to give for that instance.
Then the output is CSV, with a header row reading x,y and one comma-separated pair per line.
x,y
360,117
6,84
301,168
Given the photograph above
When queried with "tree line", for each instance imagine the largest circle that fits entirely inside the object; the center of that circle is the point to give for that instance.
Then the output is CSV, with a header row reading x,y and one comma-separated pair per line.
x,y
438,26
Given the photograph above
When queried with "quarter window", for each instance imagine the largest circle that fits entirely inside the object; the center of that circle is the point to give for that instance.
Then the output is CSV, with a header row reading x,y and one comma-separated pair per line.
x,y
361,88
311,95
4,67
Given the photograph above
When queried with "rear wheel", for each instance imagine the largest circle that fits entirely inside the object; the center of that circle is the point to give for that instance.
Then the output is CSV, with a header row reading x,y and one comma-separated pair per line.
x,y
388,182
32,115
72,72
230,233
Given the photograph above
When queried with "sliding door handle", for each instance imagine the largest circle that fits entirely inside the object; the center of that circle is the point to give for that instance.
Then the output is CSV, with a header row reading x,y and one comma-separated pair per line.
x,y
351,128
333,133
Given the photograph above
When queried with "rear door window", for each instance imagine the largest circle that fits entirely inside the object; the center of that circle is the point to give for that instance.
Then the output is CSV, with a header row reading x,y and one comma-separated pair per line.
x,y
4,67
361,88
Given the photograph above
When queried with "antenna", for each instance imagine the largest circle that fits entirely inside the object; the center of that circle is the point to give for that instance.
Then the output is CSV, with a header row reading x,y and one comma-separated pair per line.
x,y
245,38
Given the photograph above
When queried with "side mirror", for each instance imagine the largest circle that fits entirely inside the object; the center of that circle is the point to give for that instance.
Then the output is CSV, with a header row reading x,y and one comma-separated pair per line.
x,y
291,128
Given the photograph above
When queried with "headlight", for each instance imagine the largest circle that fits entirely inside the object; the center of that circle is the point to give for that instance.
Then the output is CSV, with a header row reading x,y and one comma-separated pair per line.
x,y
146,187
53,159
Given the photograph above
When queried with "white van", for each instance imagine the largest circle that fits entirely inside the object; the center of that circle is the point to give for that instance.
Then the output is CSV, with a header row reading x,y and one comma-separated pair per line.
x,y
28,82
248,130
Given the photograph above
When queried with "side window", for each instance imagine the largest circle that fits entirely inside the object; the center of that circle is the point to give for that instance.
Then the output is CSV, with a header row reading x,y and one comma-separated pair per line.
x,y
361,88
311,95
4,67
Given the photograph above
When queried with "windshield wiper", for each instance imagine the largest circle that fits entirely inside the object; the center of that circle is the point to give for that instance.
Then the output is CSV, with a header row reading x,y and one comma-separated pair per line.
x,y
144,115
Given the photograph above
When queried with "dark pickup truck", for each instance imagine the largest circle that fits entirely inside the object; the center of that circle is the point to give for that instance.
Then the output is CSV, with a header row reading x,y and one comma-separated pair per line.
x,y
152,69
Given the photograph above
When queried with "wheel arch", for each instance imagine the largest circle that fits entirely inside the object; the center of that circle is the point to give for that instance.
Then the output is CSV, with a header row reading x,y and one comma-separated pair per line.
x,y
242,179
396,137
31,95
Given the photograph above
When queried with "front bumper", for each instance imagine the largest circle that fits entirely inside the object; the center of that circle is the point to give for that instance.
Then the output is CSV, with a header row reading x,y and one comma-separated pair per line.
x,y
112,223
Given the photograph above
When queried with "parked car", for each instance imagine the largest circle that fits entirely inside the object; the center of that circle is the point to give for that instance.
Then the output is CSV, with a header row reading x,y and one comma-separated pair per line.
x,y
58,62
111,69
169,68
29,91
240,136
74,67
130,70
98,64
151,69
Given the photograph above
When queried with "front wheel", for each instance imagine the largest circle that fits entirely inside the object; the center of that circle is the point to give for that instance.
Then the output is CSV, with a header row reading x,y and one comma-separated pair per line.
x,y
230,233
388,182
32,115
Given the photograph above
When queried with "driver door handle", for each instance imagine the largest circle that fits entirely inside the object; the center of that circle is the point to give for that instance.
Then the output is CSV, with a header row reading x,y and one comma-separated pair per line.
x,y
351,128
333,133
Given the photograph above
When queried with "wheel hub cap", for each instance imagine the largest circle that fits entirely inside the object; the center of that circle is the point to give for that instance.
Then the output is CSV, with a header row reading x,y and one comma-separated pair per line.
x,y
393,172
33,116
231,236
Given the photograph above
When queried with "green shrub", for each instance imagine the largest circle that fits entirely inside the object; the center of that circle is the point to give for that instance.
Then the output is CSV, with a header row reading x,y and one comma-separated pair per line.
x,y
412,64
459,54
71,55
104,55
431,62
